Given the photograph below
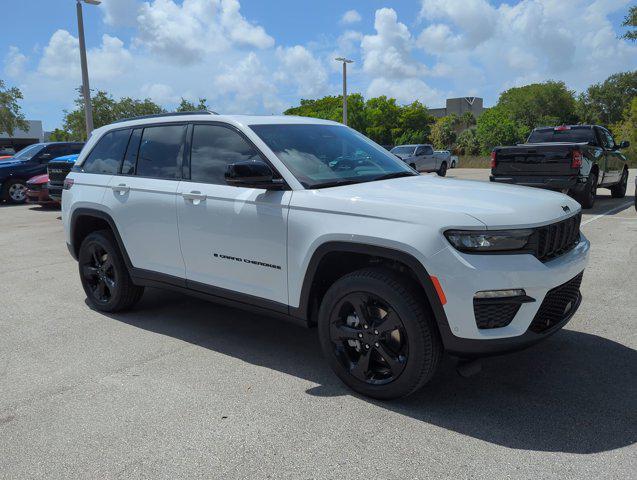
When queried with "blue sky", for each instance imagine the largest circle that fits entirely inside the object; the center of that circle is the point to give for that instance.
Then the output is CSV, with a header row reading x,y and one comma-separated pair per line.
x,y
250,56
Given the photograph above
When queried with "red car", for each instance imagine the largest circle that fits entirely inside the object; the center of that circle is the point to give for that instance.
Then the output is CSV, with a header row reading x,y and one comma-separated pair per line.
x,y
38,191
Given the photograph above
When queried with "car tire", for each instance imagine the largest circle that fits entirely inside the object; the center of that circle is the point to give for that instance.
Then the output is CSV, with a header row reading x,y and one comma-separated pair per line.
x,y
394,349
105,278
453,164
442,171
15,191
586,197
619,190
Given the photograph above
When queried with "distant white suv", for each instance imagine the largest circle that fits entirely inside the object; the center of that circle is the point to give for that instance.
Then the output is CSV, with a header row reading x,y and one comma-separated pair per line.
x,y
310,220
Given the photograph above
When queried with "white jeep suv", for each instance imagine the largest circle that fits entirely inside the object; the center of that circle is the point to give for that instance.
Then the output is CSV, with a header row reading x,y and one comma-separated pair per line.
x,y
310,220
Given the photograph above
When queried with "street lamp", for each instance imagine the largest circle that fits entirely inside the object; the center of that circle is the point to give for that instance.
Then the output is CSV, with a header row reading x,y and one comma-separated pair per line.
x,y
86,91
345,62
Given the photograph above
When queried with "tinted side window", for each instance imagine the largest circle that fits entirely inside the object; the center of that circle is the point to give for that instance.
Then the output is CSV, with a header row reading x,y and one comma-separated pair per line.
x,y
428,151
107,154
213,149
130,159
160,151
73,149
420,151
608,139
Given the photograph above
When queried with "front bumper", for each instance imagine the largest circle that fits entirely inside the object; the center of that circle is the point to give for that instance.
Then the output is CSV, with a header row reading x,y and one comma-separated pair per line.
x,y
462,275
55,192
559,183
39,197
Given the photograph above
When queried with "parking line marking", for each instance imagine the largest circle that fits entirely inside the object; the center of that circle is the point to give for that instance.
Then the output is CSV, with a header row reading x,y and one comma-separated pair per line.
x,y
612,210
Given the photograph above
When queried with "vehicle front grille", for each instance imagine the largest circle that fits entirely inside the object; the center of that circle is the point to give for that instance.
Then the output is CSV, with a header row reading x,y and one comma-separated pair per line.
x,y
494,314
58,172
557,305
558,238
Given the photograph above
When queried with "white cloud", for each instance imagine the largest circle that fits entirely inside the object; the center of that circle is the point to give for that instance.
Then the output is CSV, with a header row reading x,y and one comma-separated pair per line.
x,y
120,12
302,69
476,19
405,90
388,53
14,62
186,32
159,93
61,57
351,16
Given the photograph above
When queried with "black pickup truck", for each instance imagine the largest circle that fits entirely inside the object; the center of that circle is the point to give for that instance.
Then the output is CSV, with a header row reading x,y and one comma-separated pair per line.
x,y
574,159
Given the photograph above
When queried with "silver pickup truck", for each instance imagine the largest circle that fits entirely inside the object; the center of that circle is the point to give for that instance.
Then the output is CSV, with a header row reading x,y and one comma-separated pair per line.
x,y
423,158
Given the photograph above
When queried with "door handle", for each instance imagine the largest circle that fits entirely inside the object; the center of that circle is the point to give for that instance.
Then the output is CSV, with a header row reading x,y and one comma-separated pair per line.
x,y
122,188
194,196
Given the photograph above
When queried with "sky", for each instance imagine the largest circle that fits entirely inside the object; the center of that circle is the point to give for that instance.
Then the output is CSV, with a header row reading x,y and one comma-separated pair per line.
x,y
263,56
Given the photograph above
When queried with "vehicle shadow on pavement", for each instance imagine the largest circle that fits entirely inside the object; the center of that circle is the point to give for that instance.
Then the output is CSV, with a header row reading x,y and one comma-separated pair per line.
x,y
574,393
603,203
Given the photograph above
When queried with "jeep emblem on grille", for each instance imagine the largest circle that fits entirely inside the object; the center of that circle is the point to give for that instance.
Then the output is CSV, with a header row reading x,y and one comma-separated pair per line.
x,y
566,208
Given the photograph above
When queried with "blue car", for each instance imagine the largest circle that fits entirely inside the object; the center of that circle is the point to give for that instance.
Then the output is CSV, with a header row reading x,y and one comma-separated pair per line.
x,y
27,163
58,170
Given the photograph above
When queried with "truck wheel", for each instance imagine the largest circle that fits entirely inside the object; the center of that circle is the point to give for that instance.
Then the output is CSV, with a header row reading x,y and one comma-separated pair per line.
x,y
619,190
453,164
377,334
104,275
442,171
586,197
15,191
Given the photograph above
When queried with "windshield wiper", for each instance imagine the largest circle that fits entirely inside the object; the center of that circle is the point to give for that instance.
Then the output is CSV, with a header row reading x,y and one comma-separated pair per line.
x,y
394,175
336,183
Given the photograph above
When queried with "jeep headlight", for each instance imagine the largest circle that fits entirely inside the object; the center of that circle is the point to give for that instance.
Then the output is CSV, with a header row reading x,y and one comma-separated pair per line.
x,y
473,241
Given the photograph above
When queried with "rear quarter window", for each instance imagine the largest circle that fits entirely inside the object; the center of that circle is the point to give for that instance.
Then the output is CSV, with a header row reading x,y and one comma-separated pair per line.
x,y
107,154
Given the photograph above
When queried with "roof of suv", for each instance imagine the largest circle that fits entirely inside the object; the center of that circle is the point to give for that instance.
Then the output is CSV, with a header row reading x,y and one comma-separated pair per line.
x,y
243,120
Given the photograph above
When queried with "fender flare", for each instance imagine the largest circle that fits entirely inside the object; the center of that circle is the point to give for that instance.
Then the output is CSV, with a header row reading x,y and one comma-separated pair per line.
x,y
423,277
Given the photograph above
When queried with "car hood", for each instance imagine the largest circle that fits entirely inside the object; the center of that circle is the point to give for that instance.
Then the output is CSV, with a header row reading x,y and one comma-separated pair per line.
x,y
424,197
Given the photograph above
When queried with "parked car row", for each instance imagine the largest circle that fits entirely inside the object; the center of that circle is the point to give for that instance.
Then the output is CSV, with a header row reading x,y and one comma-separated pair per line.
x,y
24,176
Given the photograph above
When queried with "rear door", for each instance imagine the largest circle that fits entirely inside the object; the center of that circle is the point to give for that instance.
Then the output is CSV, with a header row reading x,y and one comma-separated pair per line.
x,y
232,238
614,163
141,197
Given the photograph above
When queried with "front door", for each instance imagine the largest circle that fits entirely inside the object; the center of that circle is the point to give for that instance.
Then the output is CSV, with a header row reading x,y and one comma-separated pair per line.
x,y
426,161
232,238
613,162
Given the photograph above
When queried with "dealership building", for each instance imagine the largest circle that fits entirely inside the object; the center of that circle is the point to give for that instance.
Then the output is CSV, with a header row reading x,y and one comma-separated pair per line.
x,y
22,138
459,106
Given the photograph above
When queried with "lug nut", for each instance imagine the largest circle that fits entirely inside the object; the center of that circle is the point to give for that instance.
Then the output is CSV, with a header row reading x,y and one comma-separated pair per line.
x,y
376,344
367,346
360,335
375,332
365,326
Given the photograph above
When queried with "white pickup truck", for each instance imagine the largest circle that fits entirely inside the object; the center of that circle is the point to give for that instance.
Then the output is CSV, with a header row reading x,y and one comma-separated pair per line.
x,y
423,158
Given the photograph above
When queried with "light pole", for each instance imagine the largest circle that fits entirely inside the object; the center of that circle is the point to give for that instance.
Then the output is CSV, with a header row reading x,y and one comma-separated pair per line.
x,y
345,62
86,91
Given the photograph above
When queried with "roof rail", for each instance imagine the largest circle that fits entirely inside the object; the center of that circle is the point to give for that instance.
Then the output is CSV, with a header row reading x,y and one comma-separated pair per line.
x,y
168,114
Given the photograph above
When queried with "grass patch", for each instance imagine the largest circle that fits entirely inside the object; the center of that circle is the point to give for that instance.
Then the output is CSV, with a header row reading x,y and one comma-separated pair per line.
x,y
470,161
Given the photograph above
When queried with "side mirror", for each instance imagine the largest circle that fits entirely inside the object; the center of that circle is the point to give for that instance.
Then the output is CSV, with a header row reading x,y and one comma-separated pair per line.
x,y
252,174
624,144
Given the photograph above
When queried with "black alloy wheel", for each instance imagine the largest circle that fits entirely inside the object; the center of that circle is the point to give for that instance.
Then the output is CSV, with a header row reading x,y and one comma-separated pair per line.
x,y
99,273
443,169
368,338
378,334
105,278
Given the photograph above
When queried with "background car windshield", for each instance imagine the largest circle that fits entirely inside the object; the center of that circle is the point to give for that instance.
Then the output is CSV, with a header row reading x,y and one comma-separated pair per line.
x,y
572,135
403,150
29,152
325,155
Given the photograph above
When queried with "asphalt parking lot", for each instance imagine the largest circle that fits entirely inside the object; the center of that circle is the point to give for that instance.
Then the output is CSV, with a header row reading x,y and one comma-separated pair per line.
x,y
181,387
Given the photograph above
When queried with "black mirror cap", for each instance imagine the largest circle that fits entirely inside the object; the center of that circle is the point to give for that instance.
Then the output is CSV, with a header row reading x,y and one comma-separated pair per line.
x,y
624,144
252,174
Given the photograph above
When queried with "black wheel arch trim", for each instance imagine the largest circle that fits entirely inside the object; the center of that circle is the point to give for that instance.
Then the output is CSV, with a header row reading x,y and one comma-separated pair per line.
x,y
303,310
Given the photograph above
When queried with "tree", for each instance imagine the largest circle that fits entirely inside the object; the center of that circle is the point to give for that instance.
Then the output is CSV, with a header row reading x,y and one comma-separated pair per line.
x,y
105,110
468,143
443,133
604,103
11,117
539,104
627,130
631,21
59,135
414,124
331,108
467,120
188,106
496,127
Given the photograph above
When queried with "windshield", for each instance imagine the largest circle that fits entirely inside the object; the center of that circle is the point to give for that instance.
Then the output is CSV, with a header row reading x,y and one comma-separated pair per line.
x,y
29,152
569,135
404,150
329,155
